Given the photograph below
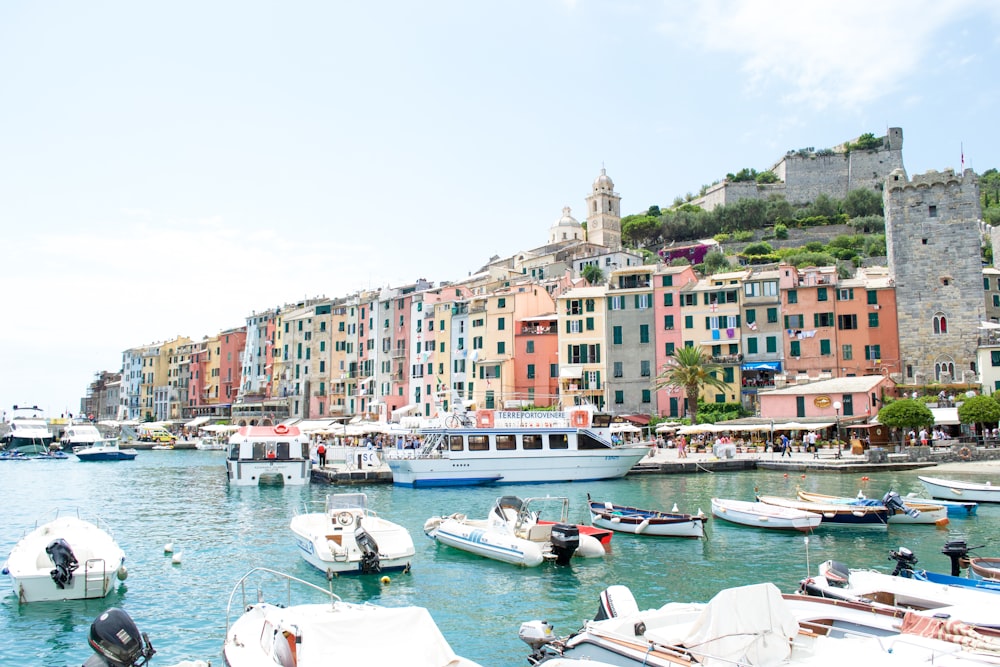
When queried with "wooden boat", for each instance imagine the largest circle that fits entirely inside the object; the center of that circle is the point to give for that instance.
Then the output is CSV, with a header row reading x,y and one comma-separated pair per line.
x,y
899,510
950,489
836,515
987,569
762,515
625,519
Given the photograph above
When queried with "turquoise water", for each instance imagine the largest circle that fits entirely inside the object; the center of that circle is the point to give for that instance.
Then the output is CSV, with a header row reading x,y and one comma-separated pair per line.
x,y
220,532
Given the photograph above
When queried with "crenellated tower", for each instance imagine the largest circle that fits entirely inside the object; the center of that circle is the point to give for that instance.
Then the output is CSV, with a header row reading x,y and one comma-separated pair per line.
x,y
932,241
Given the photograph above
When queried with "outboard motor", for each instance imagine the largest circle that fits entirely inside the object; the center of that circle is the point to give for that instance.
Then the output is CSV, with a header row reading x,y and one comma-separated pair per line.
x,y
905,560
117,641
370,563
894,503
958,552
616,601
565,541
836,573
65,562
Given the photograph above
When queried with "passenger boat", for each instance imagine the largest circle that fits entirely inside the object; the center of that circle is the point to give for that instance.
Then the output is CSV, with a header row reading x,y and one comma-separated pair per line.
x,y
65,558
105,450
899,511
283,631
511,533
955,508
835,515
349,538
261,454
515,448
950,489
625,519
757,625
762,515
27,432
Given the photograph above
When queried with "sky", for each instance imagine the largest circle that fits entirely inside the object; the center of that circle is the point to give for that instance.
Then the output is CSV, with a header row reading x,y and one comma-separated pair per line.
x,y
169,168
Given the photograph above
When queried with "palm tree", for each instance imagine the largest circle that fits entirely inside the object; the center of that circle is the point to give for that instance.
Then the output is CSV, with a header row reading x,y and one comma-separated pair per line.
x,y
689,368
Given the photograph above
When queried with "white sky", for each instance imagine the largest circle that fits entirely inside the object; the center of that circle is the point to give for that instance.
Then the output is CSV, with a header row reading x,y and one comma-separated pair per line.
x,y
167,168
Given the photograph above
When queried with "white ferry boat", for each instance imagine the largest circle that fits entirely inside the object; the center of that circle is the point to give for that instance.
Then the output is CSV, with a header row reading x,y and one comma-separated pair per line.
x,y
278,454
502,447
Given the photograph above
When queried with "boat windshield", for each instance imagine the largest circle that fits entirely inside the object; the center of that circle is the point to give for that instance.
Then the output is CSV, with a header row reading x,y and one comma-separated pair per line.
x,y
346,501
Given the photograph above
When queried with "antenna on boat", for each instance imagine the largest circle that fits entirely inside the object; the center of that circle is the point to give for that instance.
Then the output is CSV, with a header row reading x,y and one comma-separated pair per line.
x,y
808,569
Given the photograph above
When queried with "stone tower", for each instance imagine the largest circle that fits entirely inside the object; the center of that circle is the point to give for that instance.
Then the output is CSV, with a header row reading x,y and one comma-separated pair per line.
x,y
604,217
933,244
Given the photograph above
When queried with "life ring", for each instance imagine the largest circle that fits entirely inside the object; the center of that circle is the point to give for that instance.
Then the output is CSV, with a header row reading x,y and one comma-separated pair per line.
x,y
345,518
580,419
281,428
964,453
484,418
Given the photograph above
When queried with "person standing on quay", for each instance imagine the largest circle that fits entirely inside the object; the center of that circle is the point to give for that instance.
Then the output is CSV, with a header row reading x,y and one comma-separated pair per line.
x,y
321,452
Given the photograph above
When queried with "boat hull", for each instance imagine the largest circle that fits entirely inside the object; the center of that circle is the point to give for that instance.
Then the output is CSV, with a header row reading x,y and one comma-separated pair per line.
x,y
105,454
835,515
761,515
562,466
100,560
252,473
929,513
963,491
636,521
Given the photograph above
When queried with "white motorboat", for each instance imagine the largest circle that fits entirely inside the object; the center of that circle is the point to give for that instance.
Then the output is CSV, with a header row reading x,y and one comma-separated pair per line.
x,y
65,558
105,450
210,443
259,454
331,632
512,533
27,432
955,508
501,447
756,625
975,606
349,538
951,489
762,515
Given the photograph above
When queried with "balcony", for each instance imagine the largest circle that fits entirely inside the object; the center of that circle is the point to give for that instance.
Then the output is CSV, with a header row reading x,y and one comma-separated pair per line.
x,y
538,330
727,359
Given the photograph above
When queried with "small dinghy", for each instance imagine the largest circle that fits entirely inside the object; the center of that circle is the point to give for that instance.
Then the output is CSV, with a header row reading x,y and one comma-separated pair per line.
x,y
625,519
283,631
349,538
835,515
899,511
512,533
762,515
65,558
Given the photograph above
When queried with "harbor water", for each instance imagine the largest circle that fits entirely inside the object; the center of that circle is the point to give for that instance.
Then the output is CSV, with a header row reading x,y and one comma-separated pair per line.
x,y
220,532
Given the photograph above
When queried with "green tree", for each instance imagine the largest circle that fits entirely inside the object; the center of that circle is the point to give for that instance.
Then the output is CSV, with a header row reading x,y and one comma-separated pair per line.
x,y
641,230
862,202
690,369
979,410
759,248
780,231
593,274
868,224
654,211
867,141
715,262
767,177
906,413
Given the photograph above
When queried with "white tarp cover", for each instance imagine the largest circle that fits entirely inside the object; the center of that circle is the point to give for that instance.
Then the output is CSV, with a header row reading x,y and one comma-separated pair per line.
x,y
372,635
748,625
197,421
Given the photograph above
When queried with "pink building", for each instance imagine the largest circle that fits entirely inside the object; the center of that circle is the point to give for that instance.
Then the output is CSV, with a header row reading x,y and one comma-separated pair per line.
x,y
668,328
845,400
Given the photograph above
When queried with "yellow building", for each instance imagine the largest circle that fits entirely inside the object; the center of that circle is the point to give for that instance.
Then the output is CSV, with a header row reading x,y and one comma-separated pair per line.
x,y
582,339
710,309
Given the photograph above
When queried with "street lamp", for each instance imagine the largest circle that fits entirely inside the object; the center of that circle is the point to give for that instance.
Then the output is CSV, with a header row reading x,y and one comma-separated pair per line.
x,y
836,430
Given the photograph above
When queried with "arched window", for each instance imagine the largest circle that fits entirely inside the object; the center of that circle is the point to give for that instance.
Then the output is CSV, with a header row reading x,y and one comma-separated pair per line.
x,y
947,367
940,323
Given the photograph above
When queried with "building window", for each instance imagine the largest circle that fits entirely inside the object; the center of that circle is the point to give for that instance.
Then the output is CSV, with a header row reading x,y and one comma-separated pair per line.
x,y
531,371
932,211
501,347
751,346
872,297
668,349
772,315
501,324
847,351
848,321
872,320
530,348
795,348
616,335
619,397
821,294
793,296
668,298
617,369
689,322
668,322
667,281
646,396
643,333
644,368
940,324
771,344
873,352
824,347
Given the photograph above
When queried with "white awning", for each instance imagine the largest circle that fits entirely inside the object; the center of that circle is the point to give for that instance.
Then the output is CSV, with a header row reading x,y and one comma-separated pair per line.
x,y
945,416
197,421
313,425
406,409
572,372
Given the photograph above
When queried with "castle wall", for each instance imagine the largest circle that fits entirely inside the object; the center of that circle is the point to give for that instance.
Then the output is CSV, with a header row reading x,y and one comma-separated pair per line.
x,y
932,242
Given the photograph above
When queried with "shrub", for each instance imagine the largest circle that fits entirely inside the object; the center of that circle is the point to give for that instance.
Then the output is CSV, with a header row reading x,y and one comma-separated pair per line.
x,y
780,231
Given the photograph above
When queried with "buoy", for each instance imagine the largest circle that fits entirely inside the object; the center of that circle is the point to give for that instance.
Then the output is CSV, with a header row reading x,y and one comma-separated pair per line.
x,y
675,510
176,560
865,478
385,581
786,475
122,573
168,548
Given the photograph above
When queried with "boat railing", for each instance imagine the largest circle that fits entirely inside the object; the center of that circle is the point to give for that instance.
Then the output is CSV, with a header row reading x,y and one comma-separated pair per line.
x,y
56,512
241,588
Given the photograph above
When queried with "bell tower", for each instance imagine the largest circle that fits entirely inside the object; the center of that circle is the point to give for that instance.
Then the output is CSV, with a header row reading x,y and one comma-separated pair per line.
x,y
604,218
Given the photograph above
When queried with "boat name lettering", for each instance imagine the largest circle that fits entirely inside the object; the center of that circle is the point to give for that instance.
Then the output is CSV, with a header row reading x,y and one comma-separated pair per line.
x,y
535,414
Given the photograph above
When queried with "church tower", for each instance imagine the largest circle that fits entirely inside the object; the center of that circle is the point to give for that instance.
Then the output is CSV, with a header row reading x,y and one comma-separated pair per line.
x,y
604,217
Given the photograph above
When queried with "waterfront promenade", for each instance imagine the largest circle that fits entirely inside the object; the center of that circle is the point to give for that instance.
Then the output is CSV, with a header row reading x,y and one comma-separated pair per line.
x,y
666,462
